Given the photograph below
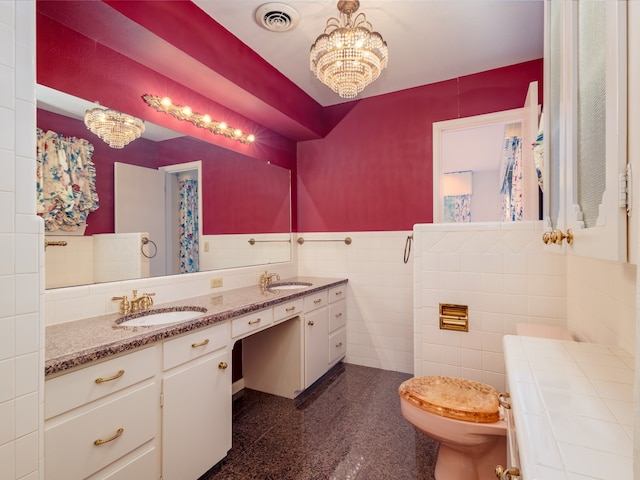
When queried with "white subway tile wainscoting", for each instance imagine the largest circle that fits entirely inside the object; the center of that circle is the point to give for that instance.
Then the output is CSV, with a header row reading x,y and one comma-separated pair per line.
x,y
501,272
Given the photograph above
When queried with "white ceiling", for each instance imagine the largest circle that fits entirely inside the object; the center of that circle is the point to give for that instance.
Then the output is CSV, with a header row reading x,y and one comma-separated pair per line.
x,y
429,40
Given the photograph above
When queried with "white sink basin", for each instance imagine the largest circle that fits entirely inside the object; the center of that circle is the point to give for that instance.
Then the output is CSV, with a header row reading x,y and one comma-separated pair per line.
x,y
161,317
289,285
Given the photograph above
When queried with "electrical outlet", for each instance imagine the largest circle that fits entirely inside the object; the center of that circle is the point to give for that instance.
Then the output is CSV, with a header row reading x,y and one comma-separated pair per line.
x,y
216,282
217,300
206,246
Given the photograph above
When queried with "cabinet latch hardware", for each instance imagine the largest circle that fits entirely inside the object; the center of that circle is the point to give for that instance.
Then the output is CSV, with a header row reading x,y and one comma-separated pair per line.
x,y
624,189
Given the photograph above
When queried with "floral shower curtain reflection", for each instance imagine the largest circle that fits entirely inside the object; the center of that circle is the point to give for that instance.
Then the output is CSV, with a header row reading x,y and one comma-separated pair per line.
x,y
511,184
66,181
188,213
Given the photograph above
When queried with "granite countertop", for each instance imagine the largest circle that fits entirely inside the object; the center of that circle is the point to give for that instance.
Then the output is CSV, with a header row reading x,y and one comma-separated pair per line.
x,y
72,344
573,408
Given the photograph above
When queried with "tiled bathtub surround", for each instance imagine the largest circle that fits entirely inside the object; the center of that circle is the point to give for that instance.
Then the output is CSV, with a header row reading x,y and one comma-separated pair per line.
x,y
502,273
573,408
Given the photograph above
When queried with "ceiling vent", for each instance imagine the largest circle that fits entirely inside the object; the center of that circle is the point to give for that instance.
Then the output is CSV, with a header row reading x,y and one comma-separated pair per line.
x,y
277,17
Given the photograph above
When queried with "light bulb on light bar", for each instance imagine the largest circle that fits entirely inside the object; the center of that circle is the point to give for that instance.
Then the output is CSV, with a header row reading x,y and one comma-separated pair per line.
x,y
184,112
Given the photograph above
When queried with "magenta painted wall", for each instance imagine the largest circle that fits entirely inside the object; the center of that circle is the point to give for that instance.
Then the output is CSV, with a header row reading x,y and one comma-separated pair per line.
x,y
373,172
239,194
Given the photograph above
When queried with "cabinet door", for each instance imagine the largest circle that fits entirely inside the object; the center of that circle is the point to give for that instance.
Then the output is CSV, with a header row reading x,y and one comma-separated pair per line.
x,y
196,417
587,55
316,344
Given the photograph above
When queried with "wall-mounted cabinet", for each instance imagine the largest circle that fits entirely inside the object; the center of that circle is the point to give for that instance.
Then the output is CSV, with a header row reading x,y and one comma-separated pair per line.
x,y
586,133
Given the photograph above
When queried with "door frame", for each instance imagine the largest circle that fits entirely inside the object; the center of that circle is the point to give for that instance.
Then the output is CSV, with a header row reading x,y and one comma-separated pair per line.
x,y
175,169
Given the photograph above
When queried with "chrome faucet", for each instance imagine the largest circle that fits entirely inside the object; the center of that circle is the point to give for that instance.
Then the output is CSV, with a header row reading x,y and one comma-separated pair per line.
x,y
267,278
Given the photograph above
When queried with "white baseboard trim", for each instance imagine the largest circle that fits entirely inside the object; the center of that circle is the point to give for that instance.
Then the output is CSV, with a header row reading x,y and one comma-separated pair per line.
x,y
237,386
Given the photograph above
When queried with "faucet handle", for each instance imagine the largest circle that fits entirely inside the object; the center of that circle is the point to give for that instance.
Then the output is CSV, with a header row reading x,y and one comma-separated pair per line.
x,y
125,304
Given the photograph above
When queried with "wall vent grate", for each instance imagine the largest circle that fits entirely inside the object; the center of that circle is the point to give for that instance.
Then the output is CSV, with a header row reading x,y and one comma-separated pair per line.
x,y
277,17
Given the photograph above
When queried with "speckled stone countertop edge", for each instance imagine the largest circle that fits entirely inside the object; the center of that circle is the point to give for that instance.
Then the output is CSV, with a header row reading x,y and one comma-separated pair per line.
x,y
78,343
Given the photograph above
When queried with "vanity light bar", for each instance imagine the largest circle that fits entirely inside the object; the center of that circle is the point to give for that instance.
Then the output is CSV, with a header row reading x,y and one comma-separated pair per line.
x,y
184,112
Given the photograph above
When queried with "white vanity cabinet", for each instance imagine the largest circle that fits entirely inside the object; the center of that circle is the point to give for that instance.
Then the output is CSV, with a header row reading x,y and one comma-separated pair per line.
x,y
337,323
101,422
196,402
316,325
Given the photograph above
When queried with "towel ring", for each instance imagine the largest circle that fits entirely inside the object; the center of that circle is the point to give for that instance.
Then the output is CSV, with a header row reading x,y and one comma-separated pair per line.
x,y
146,240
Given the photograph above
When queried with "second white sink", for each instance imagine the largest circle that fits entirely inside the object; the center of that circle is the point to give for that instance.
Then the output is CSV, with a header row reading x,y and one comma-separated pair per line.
x,y
289,285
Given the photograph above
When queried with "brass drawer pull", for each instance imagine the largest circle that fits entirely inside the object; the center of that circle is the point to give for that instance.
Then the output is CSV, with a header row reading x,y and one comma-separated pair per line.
x,y
310,323
254,322
317,301
222,365
339,293
201,344
108,379
110,439
338,315
290,309
338,345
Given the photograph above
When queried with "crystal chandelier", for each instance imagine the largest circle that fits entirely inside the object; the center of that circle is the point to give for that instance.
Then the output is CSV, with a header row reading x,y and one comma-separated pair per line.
x,y
348,56
115,128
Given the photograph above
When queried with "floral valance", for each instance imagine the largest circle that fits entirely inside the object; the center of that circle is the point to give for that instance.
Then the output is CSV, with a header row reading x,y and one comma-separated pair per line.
x,y
66,181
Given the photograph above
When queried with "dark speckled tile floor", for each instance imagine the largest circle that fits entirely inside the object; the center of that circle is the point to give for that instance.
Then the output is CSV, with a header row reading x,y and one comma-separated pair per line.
x,y
347,426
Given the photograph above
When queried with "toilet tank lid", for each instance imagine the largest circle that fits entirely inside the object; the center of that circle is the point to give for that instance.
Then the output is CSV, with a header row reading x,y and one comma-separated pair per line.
x,y
452,397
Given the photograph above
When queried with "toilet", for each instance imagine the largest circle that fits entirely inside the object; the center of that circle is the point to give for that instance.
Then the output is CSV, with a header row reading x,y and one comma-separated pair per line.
x,y
464,416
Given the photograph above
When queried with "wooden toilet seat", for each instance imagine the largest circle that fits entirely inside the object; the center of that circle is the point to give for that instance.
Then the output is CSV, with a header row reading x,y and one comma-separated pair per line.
x,y
452,397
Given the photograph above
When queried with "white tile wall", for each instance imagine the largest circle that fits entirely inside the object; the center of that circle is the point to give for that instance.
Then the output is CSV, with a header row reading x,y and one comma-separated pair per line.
x,y
74,303
21,318
502,273
228,250
601,308
380,299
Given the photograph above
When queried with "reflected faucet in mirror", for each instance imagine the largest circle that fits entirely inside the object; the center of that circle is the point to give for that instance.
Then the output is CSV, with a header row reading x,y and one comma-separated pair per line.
x,y
266,279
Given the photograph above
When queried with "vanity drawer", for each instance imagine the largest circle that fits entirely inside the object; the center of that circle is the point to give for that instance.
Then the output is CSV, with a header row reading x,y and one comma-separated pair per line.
x,y
337,293
288,309
122,424
337,315
337,345
196,344
316,300
71,390
249,323
138,466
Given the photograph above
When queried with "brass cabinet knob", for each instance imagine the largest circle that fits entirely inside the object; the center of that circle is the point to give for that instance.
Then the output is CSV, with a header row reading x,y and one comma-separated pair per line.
x,y
557,237
222,365
311,323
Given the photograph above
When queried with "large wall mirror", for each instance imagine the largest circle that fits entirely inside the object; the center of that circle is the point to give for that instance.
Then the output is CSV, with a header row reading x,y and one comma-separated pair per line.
x,y
484,168
243,206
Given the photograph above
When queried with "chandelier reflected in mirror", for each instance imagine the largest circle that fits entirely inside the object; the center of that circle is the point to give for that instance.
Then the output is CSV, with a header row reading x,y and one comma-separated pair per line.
x,y
349,55
116,129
